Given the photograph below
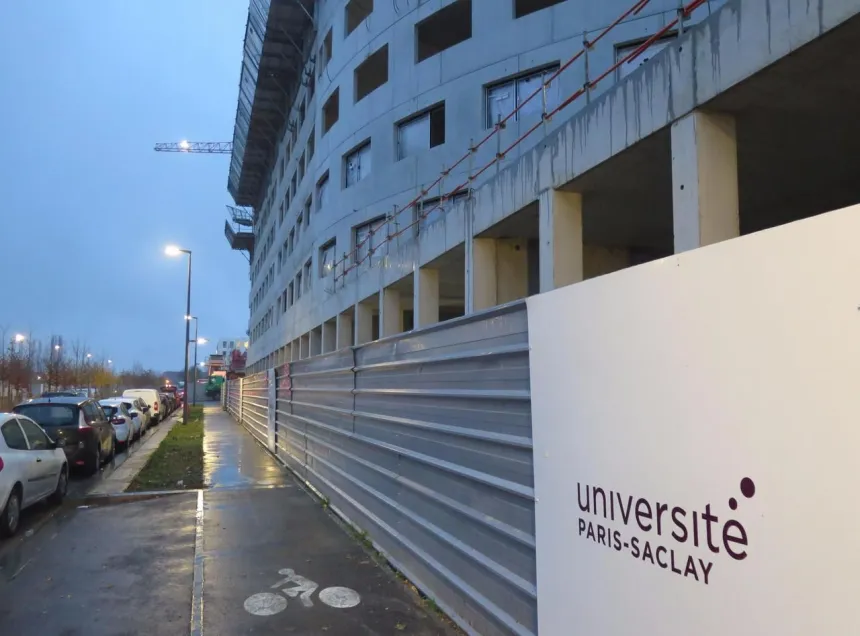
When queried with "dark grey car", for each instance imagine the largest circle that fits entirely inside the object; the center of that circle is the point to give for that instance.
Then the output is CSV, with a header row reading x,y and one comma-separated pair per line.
x,y
86,431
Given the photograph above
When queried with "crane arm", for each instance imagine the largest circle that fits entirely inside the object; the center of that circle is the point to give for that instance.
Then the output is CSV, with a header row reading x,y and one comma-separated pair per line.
x,y
202,147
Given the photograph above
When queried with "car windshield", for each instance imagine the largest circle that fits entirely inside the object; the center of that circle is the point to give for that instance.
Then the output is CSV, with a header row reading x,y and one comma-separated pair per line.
x,y
48,415
110,411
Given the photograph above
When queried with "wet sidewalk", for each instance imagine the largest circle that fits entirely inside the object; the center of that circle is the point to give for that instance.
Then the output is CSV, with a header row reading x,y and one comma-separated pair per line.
x,y
274,561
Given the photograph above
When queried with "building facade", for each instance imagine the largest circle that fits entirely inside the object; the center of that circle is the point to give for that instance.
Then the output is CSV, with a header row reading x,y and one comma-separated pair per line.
x,y
434,158
225,346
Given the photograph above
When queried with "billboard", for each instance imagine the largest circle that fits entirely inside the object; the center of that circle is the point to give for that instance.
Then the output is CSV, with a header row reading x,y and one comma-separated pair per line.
x,y
697,440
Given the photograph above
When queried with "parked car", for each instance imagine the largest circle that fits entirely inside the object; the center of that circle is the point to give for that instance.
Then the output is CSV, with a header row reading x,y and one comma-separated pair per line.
x,y
171,402
51,394
32,467
175,391
87,436
121,420
152,399
139,410
165,405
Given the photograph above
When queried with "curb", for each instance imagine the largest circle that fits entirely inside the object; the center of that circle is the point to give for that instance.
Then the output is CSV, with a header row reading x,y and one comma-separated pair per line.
x,y
125,497
124,475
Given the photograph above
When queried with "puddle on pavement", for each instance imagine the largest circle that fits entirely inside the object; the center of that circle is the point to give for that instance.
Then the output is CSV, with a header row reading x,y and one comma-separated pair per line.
x,y
232,459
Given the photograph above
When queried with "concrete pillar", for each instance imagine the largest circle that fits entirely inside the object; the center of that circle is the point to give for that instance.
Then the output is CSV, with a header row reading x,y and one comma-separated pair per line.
x,y
363,323
296,350
390,313
344,335
497,272
425,307
316,341
329,336
704,180
304,346
481,275
560,230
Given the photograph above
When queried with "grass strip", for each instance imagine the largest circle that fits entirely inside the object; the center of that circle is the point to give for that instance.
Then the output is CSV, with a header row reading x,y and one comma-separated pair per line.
x,y
177,464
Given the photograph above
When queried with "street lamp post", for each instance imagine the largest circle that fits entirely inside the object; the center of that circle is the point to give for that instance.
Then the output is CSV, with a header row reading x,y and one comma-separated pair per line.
x,y
88,372
172,250
197,341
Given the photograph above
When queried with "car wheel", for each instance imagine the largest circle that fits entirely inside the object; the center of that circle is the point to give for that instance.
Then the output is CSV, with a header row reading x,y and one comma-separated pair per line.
x,y
11,515
97,460
62,486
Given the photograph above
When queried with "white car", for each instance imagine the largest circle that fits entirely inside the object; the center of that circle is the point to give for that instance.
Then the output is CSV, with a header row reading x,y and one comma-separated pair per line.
x,y
140,409
32,467
120,419
152,399
132,408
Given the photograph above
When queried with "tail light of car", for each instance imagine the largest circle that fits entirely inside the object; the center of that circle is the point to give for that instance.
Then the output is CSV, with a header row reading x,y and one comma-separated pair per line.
x,y
155,406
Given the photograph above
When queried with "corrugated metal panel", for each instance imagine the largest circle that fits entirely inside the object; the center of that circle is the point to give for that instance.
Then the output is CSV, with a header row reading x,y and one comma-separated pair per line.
x,y
233,398
424,441
255,405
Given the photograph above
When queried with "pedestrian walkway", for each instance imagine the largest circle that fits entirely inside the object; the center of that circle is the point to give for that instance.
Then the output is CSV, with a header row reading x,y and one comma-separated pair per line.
x,y
274,561
251,554
233,459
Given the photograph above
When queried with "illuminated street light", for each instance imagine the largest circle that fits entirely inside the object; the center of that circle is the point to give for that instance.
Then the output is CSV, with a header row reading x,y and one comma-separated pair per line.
x,y
172,250
89,355
19,337
202,341
184,145
110,361
56,347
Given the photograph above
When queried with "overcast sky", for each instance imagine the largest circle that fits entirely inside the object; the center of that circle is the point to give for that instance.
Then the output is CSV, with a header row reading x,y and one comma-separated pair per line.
x,y
88,87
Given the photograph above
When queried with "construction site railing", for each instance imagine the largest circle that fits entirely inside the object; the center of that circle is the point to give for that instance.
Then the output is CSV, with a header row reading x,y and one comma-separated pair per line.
x,y
352,259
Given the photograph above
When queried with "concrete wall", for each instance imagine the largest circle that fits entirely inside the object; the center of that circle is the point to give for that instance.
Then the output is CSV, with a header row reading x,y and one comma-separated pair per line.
x,y
737,41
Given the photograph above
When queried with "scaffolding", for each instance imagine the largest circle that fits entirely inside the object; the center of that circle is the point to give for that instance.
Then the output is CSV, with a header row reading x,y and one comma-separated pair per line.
x,y
239,230
278,39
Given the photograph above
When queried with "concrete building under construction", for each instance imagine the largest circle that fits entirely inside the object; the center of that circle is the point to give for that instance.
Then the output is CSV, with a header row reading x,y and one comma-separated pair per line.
x,y
403,163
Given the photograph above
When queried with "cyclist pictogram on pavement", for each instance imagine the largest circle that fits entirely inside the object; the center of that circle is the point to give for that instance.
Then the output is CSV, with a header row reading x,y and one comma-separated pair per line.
x,y
297,586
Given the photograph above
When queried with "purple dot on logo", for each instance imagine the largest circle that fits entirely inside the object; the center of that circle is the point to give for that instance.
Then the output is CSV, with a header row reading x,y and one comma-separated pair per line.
x,y
733,503
747,487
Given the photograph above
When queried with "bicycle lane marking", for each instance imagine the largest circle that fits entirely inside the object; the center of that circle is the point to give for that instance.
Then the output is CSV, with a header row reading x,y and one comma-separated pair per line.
x,y
268,603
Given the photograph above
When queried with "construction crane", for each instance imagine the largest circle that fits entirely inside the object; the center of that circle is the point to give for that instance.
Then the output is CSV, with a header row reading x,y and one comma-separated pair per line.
x,y
200,147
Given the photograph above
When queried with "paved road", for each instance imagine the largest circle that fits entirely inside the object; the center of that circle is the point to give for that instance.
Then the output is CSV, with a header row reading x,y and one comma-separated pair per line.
x,y
79,484
252,554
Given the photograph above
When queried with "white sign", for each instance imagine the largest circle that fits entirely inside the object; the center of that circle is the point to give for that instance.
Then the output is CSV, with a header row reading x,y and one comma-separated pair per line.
x,y
697,441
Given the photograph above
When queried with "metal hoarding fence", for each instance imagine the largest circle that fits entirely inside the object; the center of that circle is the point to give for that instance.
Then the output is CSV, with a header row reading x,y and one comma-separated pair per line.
x,y
423,441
